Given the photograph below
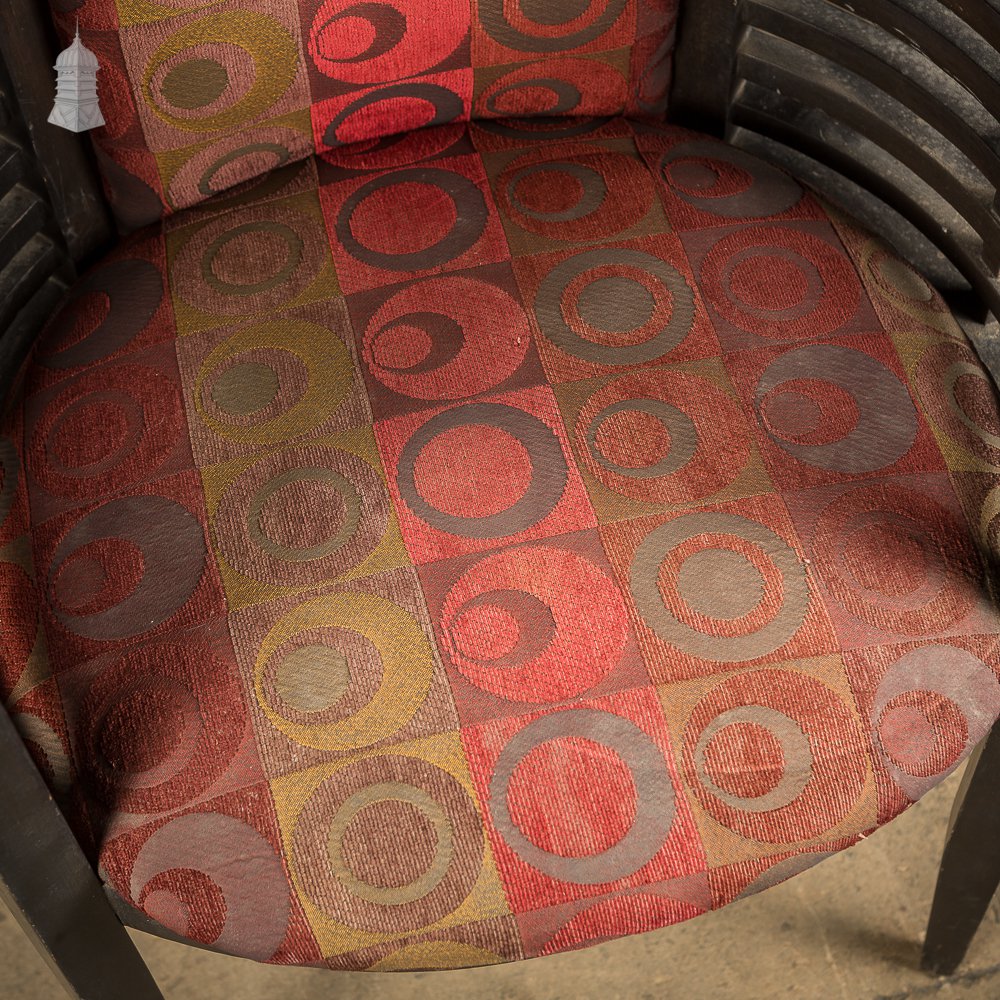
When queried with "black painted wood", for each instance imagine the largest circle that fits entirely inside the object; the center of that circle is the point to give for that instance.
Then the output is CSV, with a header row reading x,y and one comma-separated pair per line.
x,y
703,64
893,103
900,97
970,868
50,887
36,263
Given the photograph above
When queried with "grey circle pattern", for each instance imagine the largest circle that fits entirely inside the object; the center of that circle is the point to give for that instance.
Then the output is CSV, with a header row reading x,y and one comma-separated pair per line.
x,y
235,857
561,128
470,220
784,870
568,96
595,190
795,750
280,153
549,472
655,797
771,192
683,438
174,555
887,421
955,674
549,312
494,19
643,583
446,103
135,291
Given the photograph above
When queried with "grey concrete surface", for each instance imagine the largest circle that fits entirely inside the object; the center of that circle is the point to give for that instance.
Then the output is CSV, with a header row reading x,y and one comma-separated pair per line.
x,y
849,929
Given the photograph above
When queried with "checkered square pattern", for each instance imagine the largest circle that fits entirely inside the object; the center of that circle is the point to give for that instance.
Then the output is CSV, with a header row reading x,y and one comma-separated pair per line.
x,y
201,97
473,545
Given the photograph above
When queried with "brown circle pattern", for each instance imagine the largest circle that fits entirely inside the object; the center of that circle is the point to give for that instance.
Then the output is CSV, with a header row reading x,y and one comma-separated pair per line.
x,y
172,561
262,528
808,769
719,586
885,424
615,307
544,490
699,454
654,813
421,877
486,541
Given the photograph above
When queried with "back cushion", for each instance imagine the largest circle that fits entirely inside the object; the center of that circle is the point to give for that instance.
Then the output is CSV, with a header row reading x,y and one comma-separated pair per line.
x,y
200,95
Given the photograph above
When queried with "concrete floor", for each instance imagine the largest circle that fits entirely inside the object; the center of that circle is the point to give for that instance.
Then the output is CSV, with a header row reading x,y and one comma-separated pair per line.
x,y
849,929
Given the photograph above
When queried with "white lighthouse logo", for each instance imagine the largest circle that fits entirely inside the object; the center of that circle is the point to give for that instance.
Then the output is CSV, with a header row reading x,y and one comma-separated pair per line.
x,y
76,106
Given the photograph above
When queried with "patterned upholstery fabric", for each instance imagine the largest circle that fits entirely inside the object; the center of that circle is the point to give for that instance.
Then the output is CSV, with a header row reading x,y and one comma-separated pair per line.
x,y
200,95
480,545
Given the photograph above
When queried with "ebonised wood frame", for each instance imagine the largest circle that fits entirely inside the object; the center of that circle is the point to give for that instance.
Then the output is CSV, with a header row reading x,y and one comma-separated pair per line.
x,y
889,108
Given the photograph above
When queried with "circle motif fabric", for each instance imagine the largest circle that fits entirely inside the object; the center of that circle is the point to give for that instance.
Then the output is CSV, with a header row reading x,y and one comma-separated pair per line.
x,y
263,533
793,778
579,196
512,625
489,540
926,545
615,307
369,43
196,698
540,27
141,415
880,425
546,481
213,272
470,216
167,567
132,290
343,671
233,160
719,586
404,99
654,813
211,844
271,382
727,182
423,876
780,283
658,437
197,81
948,693
437,339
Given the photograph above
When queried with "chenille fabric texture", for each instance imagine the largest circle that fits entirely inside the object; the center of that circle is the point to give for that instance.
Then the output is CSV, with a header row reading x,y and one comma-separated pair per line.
x,y
200,95
492,541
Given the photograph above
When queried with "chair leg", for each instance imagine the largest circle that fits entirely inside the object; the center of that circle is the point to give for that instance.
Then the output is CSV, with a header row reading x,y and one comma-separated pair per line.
x,y
970,867
53,892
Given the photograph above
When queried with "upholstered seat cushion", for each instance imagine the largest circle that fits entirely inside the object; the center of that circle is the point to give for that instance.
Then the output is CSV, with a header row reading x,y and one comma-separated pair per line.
x,y
478,544
200,95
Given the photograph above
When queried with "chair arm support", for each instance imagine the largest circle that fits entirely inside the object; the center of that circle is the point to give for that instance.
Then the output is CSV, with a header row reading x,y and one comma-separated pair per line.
x,y
894,102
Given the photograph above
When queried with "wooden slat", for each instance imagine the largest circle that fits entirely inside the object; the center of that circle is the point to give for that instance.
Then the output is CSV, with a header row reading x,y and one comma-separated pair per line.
x,y
803,128
778,64
703,63
903,106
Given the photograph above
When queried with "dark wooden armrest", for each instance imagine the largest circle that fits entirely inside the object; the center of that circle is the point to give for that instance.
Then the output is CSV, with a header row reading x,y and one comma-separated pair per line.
x,y
887,107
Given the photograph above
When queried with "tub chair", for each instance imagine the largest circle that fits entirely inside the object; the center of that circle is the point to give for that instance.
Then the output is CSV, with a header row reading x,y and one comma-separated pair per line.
x,y
480,479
